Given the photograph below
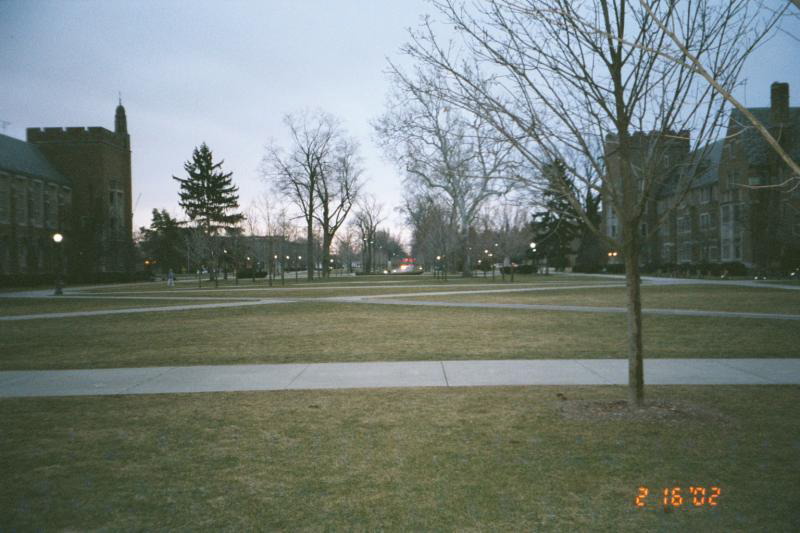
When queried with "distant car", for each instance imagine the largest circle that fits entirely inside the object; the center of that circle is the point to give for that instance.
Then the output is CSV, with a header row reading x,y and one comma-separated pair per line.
x,y
406,268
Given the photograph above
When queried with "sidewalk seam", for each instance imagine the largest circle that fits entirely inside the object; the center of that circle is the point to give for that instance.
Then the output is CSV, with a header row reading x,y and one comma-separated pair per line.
x,y
128,389
444,373
297,376
603,378
768,380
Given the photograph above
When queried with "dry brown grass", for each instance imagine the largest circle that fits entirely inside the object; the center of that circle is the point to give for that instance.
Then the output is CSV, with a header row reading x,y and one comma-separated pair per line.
x,y
412,459
324,332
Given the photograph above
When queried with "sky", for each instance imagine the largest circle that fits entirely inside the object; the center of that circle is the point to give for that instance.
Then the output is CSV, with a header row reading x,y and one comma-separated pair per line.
x,y
226,73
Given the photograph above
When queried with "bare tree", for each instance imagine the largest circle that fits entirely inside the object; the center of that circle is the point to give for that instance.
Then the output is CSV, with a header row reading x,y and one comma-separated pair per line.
x,y
279,231
367,218
434,230
507,235
337,189
296,173
346,241
580,82
444,150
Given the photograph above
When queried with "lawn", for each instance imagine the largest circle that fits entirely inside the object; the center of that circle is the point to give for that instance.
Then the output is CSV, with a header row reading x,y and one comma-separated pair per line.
x,y
324,332
67,304
504,459
352,282
313,291
707,298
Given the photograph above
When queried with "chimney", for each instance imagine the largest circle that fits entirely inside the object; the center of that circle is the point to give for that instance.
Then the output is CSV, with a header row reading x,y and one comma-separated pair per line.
x,y
779,103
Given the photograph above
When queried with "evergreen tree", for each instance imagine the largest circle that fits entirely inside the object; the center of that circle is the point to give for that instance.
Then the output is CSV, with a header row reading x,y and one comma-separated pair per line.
x,y
208,195
555,228
591,250
162,241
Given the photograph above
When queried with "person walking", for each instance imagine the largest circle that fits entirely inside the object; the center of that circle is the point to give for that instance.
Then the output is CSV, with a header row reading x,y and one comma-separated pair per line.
x,y
171,278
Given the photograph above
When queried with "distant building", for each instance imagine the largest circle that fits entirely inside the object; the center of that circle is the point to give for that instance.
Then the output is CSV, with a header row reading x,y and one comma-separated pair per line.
x,y
76,181
720,217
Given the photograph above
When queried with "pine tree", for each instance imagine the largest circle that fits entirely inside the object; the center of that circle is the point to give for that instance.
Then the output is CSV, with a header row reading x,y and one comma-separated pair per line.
x,y
208,195
162,241
591,249
556,227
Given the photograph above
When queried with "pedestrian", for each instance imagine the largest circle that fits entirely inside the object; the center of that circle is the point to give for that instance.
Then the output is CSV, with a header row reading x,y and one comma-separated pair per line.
x,y
171,278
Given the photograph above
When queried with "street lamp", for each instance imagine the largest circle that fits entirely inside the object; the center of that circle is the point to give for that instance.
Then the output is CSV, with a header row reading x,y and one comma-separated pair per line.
x,y
57,238
533,251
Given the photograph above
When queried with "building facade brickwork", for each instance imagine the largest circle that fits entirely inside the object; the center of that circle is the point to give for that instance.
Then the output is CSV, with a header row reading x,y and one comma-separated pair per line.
x,y
76,181
731,207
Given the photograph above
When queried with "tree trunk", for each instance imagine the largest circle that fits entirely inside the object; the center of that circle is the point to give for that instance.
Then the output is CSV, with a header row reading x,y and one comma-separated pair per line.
x,y
635,351
467,270
326,253
310,249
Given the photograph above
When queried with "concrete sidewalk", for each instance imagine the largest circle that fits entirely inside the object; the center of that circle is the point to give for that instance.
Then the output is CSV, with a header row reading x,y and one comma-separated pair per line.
x,y
157,380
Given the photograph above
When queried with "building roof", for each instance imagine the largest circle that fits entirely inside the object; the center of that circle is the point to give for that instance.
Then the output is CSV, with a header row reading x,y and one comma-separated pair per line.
x,y
755,148
708,167
20,157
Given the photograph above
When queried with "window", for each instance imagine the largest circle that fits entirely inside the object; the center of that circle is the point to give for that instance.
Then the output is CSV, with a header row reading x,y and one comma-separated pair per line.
x,y
51,206
666,253
613,230
705,221
726,214
21,202
737,247
684,224
685,252
705,195
5,199
35,199
726,249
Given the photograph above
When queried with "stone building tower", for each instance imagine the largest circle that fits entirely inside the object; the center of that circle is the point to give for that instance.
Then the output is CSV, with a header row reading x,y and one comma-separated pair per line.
x,y
98,162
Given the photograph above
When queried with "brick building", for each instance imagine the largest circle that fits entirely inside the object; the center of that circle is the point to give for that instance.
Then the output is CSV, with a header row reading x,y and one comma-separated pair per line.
x,y
75,181
716,215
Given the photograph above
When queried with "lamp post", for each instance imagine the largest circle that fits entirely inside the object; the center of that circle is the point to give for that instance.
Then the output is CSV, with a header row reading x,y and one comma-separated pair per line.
x,y
533,253
57,238
299,258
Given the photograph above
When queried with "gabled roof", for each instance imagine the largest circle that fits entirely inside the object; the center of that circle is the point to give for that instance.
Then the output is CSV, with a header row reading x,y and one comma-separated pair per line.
x,y
20,157
754,147
708,168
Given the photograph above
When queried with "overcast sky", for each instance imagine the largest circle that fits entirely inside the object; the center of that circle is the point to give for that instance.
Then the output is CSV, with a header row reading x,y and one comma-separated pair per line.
x,y
225,73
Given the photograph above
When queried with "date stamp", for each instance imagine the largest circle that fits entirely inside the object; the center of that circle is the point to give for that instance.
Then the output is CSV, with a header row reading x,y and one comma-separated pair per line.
x,y
677,498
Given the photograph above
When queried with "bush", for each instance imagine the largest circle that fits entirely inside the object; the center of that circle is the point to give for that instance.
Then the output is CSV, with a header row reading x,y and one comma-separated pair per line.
x,y
244,273
588,268
521,269
735,268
